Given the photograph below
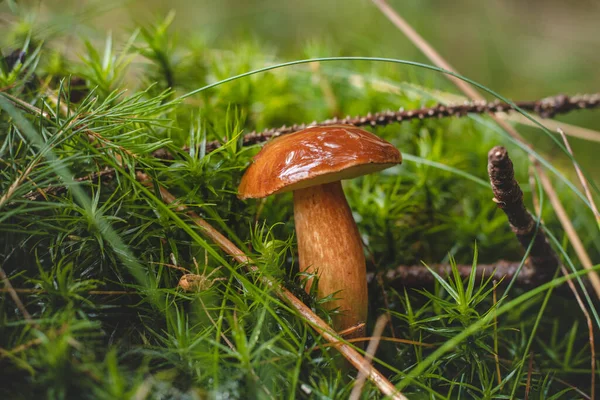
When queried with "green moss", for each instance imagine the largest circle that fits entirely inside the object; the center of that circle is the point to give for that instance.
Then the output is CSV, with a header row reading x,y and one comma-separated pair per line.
x,y
148,338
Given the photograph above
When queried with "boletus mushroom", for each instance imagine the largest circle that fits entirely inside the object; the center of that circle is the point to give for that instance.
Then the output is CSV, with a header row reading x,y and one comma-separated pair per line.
x,y
311,163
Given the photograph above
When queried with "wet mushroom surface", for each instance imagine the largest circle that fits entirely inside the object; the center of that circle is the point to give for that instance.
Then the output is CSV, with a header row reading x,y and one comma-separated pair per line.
x,y
312,163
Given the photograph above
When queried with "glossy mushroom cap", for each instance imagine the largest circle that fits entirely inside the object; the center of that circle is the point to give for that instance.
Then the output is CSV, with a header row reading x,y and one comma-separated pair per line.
x,y
315,156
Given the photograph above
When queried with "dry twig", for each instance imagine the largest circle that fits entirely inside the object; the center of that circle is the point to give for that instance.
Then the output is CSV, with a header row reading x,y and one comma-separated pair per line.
x,y
570,230
34,342
418,275
581,177
284,294
13,187
509,197
382,321
14,295
549,106
429,51
103,175
529,372
496,356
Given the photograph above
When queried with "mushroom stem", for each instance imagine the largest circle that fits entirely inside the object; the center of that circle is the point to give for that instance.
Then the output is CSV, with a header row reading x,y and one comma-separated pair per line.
x,y
329,244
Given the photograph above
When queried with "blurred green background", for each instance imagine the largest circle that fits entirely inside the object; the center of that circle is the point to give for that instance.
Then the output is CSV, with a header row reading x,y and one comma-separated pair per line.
x,y
526,49
522,49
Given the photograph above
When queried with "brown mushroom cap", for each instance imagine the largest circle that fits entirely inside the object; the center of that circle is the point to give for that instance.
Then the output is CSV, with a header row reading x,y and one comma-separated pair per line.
x,y
315,156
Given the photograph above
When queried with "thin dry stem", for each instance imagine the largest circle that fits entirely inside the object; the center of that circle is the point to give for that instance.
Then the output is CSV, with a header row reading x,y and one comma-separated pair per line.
x,y
572,130
351,332
6,353
422,44
24,176
501,271
212,321
11,189
510,198
535,200
570,230
382,321
417,275
551,124
391,339
36,111
25,106
309,316
547,107
383,339
34,342
54,99
104,175
529,372
582,179
590,331
326,89
14,295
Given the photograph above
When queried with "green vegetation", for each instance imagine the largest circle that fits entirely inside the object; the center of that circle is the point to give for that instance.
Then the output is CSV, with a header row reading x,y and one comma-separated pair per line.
x,y
123,99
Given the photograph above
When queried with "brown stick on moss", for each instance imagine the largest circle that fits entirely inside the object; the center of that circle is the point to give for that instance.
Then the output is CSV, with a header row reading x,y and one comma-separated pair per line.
x,y
320,326
509,197
546,108
418,275
501,271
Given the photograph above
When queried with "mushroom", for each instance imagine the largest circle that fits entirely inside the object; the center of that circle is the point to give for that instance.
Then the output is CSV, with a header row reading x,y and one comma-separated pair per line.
x,y
311,163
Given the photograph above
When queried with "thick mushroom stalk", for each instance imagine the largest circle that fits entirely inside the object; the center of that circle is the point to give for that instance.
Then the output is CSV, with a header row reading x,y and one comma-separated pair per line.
x,y
330,246
311,163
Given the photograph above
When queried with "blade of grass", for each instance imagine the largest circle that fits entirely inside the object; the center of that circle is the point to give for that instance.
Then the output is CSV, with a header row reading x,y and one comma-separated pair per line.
x,y
580,302
582,179
382,321
496,357
573,130
444,167
538,319
477,326
571,266
448,98
422,44
564,219
590,325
